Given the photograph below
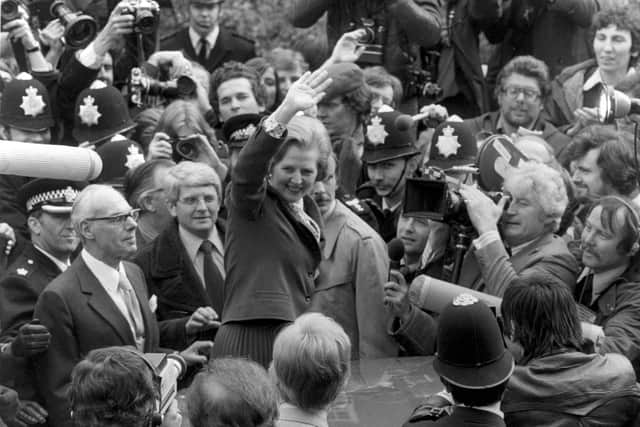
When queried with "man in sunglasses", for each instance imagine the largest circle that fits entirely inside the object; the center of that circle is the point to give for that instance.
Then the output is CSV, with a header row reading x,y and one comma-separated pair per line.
x,y
521,89
47,203
101,300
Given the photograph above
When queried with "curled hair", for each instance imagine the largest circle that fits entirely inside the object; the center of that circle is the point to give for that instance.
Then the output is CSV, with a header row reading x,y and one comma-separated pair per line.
x,y
379,77
113,386
626,225
359,100
232,392
546,185
541,314
306,133
140,179
311,361
623,18
236,70
527,66
181,119
190,174
616,159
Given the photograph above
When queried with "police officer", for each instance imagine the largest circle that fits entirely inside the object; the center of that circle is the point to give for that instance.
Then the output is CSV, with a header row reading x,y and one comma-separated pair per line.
x,y
25,116
47,203
119,155
236,131
391,157
473,363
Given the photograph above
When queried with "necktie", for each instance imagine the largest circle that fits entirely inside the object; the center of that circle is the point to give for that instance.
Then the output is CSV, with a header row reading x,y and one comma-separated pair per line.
x,y
202,53
584,290
213,281
133,308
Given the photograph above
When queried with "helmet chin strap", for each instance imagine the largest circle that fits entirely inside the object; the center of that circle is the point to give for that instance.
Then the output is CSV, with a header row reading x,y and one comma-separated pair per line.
x,y
404,170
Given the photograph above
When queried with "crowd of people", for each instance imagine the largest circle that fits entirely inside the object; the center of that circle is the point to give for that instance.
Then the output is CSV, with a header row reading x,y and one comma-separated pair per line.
x,y
266,221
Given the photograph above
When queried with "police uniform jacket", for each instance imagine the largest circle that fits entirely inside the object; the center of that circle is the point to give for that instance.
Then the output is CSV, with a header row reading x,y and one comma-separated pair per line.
x,y
270,257
172,278
26,278
349,288
463,417
386,219
228,47
81,316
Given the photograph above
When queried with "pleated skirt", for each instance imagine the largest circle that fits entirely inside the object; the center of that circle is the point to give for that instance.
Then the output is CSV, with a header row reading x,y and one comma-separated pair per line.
x,y
251,339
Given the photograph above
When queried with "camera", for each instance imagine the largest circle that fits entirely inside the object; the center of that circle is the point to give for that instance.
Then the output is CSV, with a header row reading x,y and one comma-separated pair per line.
x,y
10,10
186,148
373,41
142,87
79,29
145,15
422,80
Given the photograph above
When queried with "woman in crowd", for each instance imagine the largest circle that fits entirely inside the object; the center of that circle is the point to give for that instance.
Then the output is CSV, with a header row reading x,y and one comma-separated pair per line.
x,y
310,366
289,66
272,248
616,42
269,80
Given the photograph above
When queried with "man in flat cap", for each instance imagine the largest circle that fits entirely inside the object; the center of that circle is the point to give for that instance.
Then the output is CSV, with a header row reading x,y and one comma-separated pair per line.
x,y
344,111
47,203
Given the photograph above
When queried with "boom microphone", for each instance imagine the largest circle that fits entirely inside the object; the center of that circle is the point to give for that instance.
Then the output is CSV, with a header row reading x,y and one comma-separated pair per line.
x,y
434,295
49,161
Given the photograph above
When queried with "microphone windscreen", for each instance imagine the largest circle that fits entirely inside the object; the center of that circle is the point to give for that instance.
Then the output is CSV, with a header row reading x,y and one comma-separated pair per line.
x,y
49,161
395,249
403,122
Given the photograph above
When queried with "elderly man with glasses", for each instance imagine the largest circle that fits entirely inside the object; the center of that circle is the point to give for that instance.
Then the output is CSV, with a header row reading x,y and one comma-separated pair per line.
x,y
99,301
521,89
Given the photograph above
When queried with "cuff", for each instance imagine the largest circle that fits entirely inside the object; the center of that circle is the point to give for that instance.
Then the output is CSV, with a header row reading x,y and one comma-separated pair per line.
x,y
486,238
89,58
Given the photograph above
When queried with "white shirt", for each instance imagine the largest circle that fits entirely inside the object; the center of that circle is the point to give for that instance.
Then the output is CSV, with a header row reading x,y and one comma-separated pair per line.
x,y
192,245
62,265
109,278
212,37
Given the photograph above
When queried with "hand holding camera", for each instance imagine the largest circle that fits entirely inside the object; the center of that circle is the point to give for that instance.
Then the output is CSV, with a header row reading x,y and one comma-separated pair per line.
x,y
160,147
348,48
19,29
483,212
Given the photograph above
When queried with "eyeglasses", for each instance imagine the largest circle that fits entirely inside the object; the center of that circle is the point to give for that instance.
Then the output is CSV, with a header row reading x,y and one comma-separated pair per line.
x,y
529,94
120,219
194,200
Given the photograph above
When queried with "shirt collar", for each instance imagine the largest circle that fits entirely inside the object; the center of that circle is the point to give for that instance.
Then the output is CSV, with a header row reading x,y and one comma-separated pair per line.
x,y
212,37
602,280
192,242
62,265
288,412
106,275
331,210
493,408
596,78
385,205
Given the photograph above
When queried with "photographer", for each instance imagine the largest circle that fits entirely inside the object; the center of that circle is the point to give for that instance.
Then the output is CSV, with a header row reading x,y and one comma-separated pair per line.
x,y
115,387
399,27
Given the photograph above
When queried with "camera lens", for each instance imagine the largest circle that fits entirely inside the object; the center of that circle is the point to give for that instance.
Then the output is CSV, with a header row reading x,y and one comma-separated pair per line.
x,y
145,21
9,10
186,86
80,33
187,149
369,35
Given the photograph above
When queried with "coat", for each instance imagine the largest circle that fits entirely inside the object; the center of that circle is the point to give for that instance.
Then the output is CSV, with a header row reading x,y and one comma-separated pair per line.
x,y
491,269
27,277
349,288
489,123
172,278
271,258
81,316
569,388
228,47
463,417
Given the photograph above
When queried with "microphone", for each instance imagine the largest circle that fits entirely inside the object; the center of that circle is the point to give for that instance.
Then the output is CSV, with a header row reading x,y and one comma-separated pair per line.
x,y
404,122
49,161
395,249
614,104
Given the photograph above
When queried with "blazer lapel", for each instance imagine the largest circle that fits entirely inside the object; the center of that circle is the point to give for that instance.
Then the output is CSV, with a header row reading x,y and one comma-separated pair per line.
x,y
219,51
185,41
101,303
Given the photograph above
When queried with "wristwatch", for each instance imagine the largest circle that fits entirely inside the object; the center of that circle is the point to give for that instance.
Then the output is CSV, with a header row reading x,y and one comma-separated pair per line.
x,y
274,128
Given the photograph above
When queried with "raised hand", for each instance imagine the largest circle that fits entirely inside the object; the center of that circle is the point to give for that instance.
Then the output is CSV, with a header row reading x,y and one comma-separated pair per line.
x,y
348,48
305,93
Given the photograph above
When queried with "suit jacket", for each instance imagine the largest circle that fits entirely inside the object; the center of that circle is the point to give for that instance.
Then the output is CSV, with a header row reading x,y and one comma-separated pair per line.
x,y
172,277
27,277
270,256
228,47
349,288
491,269
463,417
81,316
